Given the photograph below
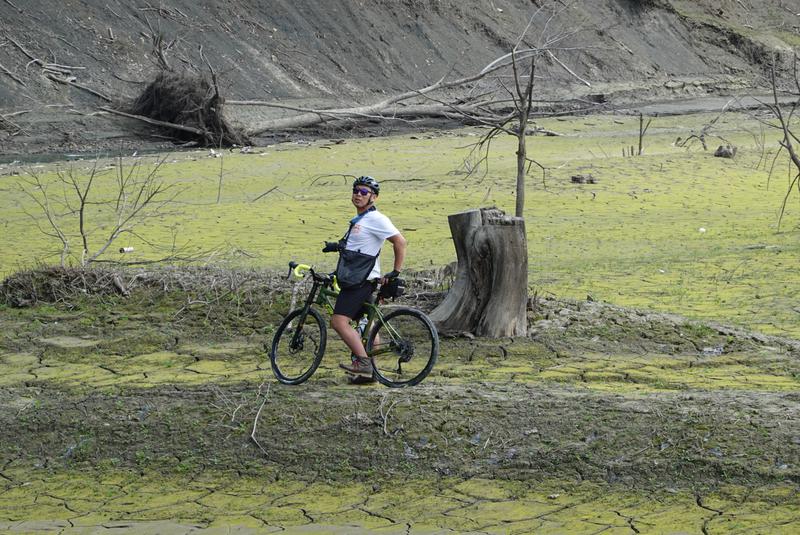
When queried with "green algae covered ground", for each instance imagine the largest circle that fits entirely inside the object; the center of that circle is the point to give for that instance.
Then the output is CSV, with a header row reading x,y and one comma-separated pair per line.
x,y
666,403
138,414
221,502
674,230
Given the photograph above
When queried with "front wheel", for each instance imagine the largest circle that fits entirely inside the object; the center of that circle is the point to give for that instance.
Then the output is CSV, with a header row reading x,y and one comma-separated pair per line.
x,y
404,347
298,346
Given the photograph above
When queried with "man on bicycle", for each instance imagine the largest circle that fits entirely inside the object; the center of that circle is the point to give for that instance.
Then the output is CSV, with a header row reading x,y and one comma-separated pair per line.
x,y
368,230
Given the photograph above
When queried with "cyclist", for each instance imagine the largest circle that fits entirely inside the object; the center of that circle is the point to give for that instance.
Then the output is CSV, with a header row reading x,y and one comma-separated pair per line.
x,y
368,230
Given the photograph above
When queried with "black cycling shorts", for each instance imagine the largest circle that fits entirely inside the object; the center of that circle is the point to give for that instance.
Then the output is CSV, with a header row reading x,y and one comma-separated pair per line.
x,y
351,300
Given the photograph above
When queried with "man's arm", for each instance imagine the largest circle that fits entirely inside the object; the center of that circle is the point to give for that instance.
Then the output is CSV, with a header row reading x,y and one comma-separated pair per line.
x,y
399,245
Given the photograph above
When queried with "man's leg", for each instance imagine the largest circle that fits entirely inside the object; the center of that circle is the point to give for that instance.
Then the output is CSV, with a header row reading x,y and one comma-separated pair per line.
x,y
360,365
350,305
341,324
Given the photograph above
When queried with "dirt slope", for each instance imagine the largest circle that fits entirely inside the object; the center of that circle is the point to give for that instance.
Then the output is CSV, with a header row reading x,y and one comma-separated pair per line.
x,y
347,50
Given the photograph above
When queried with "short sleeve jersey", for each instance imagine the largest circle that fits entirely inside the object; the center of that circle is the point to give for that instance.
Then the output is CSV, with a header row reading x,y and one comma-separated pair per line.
x,y
368,234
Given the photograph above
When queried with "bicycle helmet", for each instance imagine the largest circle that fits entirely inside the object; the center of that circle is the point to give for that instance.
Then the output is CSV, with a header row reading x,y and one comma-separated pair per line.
x,y
368,181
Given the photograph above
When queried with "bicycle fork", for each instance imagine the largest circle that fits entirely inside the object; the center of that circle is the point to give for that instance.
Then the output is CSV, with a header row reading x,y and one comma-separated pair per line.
x,y
297,334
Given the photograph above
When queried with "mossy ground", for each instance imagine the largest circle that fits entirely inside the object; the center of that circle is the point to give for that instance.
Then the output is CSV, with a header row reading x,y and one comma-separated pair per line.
x,y
136,413
673,230
124,417
223,502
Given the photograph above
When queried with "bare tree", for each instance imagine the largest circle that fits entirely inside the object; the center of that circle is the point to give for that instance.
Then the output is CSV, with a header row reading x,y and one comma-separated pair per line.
x,y
489,295
508,108
707,131
784,113
87,222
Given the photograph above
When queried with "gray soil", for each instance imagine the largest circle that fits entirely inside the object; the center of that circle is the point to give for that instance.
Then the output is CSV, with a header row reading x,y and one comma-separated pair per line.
x,y
312,54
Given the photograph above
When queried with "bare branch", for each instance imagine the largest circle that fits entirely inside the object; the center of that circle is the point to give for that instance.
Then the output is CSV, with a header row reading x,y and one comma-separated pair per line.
x,y
155,122
137,199
788,135
570,71
385,413
38,193
73,83
315,117
255,420
9,2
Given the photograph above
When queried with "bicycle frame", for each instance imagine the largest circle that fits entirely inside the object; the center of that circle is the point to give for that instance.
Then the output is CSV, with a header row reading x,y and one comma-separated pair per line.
x,y
393,337
323,293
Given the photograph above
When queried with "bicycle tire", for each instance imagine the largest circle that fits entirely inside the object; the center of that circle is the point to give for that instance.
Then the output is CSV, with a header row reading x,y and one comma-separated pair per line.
x,y
294,365
407,347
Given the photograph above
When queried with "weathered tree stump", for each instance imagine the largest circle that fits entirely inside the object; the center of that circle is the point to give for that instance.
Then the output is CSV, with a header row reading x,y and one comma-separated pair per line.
x,y
490,293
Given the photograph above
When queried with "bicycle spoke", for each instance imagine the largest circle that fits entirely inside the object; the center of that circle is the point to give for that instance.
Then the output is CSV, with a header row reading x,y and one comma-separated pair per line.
x,y
298,347
403,347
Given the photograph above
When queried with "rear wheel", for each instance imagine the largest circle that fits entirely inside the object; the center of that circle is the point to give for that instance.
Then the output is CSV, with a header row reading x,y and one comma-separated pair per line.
x,y
298,346
404,347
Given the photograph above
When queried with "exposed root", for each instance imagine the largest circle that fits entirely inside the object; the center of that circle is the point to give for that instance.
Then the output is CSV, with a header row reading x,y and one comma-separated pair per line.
x,y
189,106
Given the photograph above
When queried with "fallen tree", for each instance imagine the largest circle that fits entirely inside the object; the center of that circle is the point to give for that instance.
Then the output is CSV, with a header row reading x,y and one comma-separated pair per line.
x,y
190,105
385,109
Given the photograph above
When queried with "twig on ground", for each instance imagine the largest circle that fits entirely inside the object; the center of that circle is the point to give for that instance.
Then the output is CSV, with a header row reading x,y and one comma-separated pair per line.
x,y
228,402
155,122
385,415
23,50
5,124
73,83
270,190
258,415
14,114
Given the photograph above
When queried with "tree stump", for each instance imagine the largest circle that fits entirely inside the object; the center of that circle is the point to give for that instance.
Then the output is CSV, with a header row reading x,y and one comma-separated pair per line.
x,y
490,293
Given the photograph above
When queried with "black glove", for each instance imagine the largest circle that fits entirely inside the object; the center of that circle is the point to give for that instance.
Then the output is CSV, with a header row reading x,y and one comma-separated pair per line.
x,y
331,247
393,274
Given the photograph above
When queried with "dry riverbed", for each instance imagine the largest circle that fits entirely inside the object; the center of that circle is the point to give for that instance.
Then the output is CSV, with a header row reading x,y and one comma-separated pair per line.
x,y
124,415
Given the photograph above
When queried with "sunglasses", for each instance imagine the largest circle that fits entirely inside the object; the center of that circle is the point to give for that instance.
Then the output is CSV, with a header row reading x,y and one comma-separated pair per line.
x,y
362,191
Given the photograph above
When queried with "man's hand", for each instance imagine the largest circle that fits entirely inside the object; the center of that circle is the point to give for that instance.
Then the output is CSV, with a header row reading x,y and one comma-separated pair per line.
x,y
331,247
393,274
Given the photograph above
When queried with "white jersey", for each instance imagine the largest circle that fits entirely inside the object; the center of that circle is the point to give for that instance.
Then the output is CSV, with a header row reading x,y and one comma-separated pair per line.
x,y
367,236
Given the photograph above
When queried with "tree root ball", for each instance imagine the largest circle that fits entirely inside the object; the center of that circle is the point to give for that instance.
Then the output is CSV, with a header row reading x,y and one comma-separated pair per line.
x,y
191,100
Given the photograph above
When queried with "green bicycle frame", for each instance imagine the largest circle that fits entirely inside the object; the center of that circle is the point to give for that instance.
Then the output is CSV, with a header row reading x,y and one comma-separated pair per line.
x,y
324,295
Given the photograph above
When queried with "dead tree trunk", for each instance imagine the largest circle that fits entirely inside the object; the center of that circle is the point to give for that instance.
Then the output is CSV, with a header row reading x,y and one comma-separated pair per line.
x,y
490,293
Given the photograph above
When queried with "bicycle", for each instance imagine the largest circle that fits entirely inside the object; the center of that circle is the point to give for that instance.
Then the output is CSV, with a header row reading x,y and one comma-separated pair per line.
x,y
403,343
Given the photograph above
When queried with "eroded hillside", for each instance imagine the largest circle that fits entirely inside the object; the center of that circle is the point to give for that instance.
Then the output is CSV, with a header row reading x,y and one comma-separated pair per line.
x,y
62,59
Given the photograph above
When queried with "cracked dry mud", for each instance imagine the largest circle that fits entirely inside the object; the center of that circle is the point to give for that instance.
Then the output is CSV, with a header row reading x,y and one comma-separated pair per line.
x,y
117,417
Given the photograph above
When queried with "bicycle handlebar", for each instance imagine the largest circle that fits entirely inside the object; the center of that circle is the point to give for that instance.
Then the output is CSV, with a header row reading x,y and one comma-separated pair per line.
x,y
298,269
